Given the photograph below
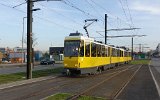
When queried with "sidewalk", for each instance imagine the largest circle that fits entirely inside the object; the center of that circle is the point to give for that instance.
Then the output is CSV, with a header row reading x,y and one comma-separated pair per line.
x,y
12,65
23,82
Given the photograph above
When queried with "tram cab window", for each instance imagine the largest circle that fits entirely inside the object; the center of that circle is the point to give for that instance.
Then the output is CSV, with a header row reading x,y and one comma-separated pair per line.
x,y
87,50
93,49
71,48
81,49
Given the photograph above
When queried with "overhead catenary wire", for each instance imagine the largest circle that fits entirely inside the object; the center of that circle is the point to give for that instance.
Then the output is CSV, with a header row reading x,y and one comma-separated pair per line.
x,y
73,6
12,7
108,21
111,15
45,19
99,14
51,9
100,19
51,21
129,13
131,19
124,11
95,10
67,2
117,18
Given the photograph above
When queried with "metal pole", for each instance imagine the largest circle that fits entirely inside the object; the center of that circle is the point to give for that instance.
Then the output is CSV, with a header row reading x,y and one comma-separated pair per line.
x,y
132,48
105,28
29,44
140,47
23,41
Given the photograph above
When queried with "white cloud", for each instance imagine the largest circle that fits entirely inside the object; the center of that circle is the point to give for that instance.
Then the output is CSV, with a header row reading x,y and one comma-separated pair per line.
x,y
153,9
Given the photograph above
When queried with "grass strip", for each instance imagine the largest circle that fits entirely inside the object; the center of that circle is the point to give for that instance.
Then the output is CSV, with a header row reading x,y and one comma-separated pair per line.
x,y
64,96
136,62
7,78
59,96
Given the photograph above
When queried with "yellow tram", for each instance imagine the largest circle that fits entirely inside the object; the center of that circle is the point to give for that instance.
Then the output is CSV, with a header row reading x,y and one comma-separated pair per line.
x,y
85,55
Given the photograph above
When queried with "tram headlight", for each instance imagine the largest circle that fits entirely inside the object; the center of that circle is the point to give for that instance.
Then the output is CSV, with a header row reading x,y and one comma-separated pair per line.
x,y
65,65
76,65
81,59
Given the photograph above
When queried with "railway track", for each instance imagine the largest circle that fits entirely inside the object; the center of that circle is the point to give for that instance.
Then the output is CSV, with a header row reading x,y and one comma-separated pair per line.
x,y
61,83
115,93
67,84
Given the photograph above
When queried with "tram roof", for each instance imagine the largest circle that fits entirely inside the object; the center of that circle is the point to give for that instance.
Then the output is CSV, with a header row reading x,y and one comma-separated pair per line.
x,y
90,40
78,38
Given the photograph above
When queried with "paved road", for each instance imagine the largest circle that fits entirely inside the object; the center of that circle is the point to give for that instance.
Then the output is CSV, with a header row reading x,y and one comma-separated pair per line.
x,y
156,63
9,70
141,87
145,85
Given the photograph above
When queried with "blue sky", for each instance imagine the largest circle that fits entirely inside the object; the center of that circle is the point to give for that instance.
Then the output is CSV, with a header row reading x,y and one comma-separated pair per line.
x,y
56,19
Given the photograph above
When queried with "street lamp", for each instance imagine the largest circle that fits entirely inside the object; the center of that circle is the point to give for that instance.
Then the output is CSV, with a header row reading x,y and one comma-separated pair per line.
x,y
23,41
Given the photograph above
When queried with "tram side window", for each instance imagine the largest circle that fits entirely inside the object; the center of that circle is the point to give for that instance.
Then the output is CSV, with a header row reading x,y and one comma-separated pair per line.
x,y
87,51
93,50
122,53
106,51
98,50
113,52
118,53
129,54
109,52
125,54
103,51
82,49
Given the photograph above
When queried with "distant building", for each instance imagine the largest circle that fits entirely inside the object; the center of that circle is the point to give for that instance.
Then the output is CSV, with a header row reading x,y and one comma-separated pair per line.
x,y
56,52
1,56
19,49
38,55
158,49
18,57
3,50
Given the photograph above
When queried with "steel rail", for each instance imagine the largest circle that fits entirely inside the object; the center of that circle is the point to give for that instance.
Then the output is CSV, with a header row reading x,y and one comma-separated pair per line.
x,y
74,97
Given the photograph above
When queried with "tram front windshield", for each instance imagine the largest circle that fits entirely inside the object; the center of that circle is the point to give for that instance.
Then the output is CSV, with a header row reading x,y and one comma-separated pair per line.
x,y
71,48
